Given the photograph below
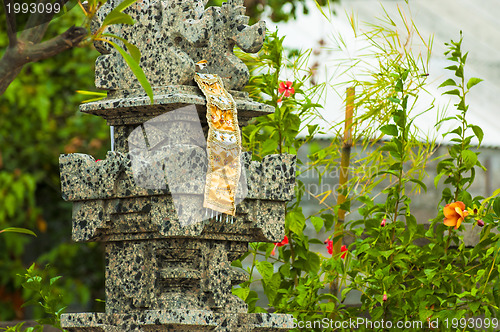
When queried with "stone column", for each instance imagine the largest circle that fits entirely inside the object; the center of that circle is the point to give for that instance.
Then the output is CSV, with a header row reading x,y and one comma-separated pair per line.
x,y
168,263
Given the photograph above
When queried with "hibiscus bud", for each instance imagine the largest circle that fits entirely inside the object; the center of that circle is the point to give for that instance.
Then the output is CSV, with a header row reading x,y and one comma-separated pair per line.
x,y
480,222
384,298
382,223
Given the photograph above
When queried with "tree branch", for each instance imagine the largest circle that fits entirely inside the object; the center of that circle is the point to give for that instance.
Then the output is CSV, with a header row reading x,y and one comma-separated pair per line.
x,y
15,58
10,22
54,46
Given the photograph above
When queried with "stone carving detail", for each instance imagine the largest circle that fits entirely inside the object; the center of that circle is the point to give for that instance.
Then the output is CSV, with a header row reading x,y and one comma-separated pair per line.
x,y
172,36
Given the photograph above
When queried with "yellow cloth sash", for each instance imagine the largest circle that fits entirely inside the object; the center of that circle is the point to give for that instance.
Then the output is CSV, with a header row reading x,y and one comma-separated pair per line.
x,y
223,145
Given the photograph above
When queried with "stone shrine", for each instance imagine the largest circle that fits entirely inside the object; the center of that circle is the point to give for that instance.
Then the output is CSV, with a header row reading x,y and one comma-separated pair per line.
x,y
168,262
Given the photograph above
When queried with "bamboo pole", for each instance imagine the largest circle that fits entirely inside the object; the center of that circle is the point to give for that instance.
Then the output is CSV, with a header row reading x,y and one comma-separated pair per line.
x,y
344,174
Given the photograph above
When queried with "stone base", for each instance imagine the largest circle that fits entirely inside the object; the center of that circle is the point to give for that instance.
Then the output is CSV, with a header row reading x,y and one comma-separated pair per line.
x,y
176,321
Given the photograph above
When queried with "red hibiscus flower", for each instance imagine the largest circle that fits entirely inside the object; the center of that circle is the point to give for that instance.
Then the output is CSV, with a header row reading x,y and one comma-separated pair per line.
x,y
279,244
329,246
343,250
285,90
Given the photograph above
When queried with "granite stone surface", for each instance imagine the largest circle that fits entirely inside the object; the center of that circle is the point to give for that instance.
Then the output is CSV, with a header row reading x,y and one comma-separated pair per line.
x,y
172,36
168,259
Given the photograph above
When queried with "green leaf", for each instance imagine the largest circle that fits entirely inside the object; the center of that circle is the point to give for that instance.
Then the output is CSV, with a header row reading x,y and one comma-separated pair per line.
x,y
311,129
124,4
390,130
452,92
116,17
269,146
10,204
478,132
411,222
136,69
447,83
496,206
241,292
133,50
399,86
18,230
53,280
420,183
329,221
473,81
386,253
92,93
469,158
394,100
265,269
313,263
295,221
237,263
317,223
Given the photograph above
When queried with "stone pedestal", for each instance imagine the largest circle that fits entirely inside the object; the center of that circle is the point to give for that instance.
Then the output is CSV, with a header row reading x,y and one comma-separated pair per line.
x,y
168,262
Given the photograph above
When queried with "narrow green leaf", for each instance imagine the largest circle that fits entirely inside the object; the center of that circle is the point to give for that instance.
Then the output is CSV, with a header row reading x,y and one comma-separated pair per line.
x,y
473,81
18,230
136,69
92,93
420,183
133,50
437,178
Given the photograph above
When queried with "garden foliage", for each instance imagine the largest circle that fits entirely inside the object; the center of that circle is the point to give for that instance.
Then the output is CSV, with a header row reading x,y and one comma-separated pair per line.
x,y
400,269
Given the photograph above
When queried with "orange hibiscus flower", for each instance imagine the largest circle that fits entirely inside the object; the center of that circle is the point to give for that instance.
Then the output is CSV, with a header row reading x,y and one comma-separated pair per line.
x,y
454,214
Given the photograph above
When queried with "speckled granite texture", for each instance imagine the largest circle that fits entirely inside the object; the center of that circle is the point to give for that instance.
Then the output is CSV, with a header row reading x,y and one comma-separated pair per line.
x,y
107,198
172,36
168,262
